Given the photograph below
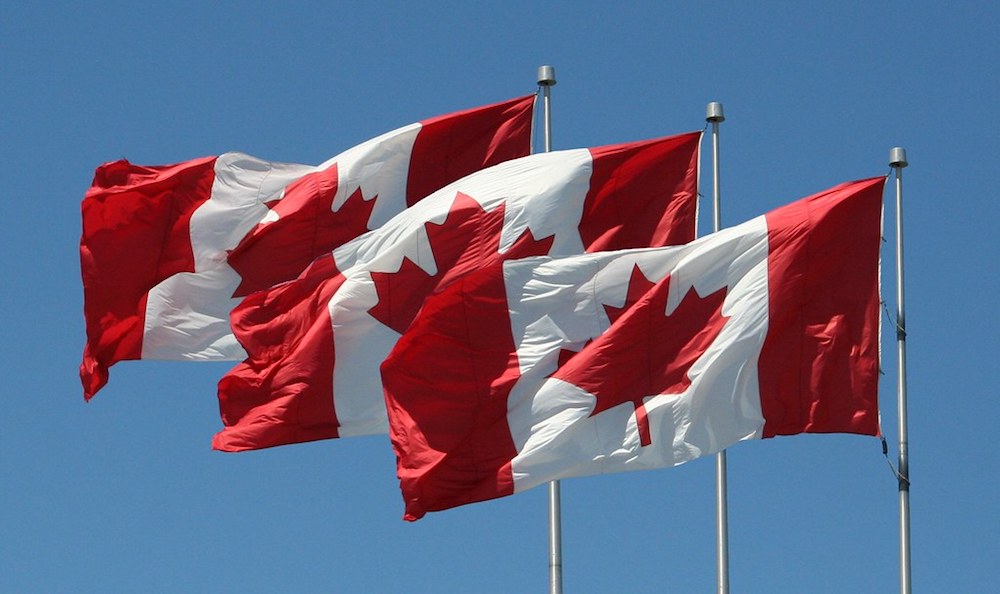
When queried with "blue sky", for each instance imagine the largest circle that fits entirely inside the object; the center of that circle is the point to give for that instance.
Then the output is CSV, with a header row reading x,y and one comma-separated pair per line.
x,y
124,494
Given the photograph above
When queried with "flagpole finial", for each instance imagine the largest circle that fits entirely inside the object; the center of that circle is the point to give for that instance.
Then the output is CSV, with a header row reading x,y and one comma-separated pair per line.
x,y
713,113
897,157
546,76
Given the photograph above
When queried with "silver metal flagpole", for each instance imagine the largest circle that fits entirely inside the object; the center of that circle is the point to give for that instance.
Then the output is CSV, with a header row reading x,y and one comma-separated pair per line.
x,y
897,160
713,114
546,80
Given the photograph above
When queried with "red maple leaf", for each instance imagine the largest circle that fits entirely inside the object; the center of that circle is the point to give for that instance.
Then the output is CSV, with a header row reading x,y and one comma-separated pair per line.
x,y
638,285
645,352
306,227
468,239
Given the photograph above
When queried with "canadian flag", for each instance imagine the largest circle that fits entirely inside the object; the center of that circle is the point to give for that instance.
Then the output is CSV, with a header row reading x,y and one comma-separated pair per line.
x,y
168,251
544,368
315,344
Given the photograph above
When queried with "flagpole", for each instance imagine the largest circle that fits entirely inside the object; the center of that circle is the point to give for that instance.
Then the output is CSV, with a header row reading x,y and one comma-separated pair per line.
x,y
546,80
897,160
713,114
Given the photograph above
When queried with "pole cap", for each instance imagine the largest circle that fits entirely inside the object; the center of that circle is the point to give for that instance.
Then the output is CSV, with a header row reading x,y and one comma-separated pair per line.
x,y
713,113
546,76
897,157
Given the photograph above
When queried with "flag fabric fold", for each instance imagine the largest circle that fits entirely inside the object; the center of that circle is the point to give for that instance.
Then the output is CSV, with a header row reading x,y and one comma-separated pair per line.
x,y
315,344
544,368
167,251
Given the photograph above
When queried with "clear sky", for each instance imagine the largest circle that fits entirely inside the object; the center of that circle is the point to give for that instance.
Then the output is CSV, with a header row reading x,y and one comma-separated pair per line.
x,y
125,495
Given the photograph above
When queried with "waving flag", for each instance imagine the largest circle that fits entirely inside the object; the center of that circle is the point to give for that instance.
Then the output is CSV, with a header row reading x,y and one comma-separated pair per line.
x,y
545,368
315,344
168,251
